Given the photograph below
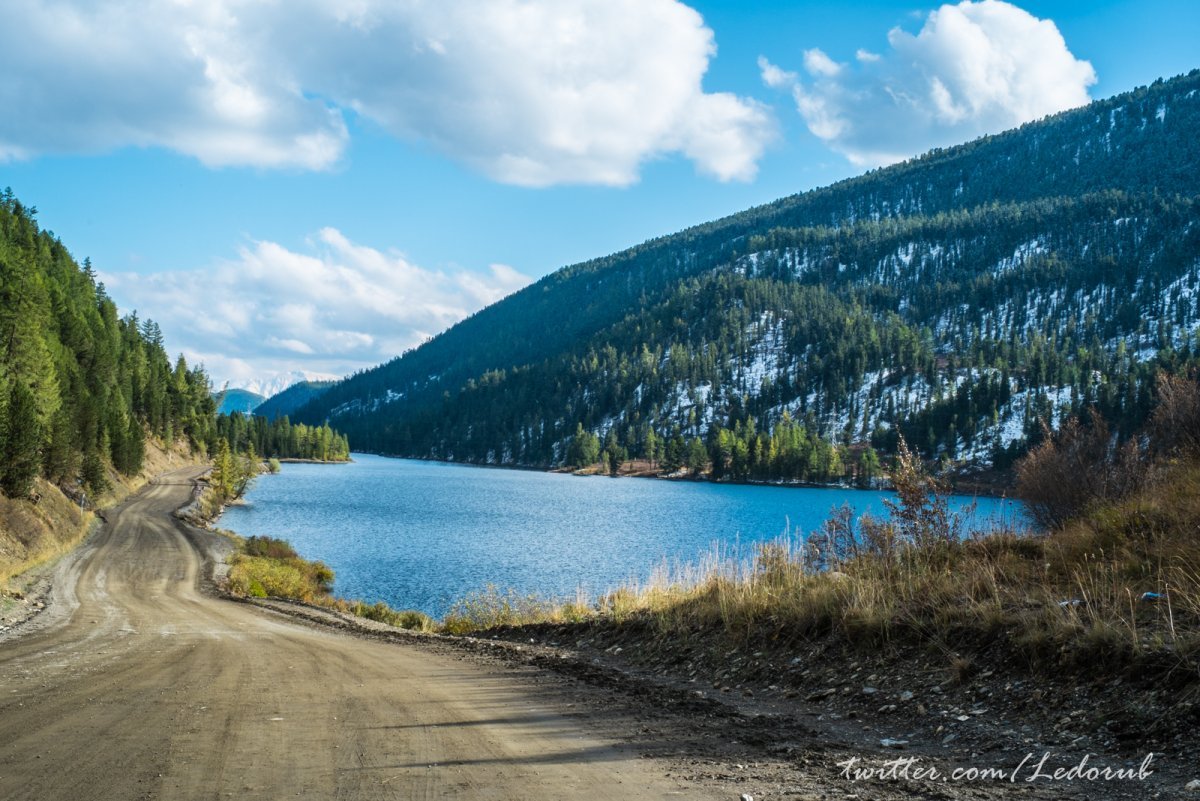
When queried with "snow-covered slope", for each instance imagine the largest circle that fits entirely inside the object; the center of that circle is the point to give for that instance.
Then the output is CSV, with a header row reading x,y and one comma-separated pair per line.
x,y
961,298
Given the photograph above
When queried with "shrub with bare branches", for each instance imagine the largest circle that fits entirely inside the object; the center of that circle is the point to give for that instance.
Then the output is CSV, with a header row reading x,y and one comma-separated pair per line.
x,y
1175,424
1076,468
921,513
918,519
835,542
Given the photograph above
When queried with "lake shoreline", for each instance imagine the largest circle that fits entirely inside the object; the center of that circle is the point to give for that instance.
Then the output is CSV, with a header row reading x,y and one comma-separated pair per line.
x,y
531,530
801,642
298,460
997,486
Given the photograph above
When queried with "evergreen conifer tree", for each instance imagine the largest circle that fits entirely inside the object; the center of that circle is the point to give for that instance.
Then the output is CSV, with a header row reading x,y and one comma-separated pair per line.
x,y
22,443
224,473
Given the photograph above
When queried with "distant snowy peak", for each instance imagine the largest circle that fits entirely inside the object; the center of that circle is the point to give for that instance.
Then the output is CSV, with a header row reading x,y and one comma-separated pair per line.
x,y
269,387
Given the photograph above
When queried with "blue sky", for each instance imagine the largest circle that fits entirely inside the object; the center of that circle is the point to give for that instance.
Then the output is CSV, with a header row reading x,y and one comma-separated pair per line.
x,y
324,211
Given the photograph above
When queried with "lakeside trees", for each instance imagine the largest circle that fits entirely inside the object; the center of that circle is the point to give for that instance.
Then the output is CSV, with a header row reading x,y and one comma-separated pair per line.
x,y
232,472
788,451
584,449
281,439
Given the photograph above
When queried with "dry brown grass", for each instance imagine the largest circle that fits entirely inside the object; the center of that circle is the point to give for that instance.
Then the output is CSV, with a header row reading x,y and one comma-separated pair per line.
x,y
1175,424
1078,468
34,533
491,607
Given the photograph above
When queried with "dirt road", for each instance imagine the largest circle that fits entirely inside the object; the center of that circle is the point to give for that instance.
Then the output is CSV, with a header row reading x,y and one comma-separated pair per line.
x,y
138,685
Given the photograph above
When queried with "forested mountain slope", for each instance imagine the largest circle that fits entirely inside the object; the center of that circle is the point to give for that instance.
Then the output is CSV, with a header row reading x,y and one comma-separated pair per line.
x,y
289,400
90,404
80,387
959,298
242,401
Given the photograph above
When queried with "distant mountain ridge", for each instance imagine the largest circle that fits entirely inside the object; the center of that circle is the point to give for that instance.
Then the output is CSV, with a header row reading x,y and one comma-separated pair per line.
x,y
269,387
285,403
959,298
249,398
237,400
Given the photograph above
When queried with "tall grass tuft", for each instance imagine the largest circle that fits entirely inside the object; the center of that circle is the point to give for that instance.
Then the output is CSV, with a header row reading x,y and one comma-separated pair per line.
x,y
491,608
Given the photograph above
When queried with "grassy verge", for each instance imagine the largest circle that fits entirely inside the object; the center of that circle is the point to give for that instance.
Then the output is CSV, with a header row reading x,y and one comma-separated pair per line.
x,y
492,608
265,567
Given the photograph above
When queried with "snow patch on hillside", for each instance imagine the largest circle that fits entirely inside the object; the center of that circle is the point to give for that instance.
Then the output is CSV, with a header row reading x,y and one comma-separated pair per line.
x,y
766,358
1022,254
796,261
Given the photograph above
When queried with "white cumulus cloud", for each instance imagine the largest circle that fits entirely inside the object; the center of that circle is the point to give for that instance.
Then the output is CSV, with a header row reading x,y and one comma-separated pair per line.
x,y
90,77
973,68
335,308
528,92
819,64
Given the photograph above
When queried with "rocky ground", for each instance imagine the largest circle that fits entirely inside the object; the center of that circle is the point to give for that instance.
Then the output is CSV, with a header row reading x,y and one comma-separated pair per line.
x,y
24,599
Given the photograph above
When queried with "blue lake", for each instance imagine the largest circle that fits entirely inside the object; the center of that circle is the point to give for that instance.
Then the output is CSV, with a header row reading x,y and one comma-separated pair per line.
x,y
421,534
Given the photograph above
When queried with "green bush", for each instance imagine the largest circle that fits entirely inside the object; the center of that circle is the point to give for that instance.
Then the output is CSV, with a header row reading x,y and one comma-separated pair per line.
x,y
269,547
270,567
404,619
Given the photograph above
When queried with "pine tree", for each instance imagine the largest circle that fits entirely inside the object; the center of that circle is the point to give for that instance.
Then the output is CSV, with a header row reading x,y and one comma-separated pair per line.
x,y
697,457
652,446
135,447
674,454
22,443
92,472
224,472
246,469
584,449
868,466
60,460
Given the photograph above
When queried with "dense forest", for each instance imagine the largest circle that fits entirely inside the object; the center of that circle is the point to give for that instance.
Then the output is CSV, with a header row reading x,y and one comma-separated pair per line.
x,y
960,299
82,389
80,386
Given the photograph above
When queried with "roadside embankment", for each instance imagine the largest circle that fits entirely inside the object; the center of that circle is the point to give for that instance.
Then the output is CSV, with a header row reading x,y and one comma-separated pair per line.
x,y
36,531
